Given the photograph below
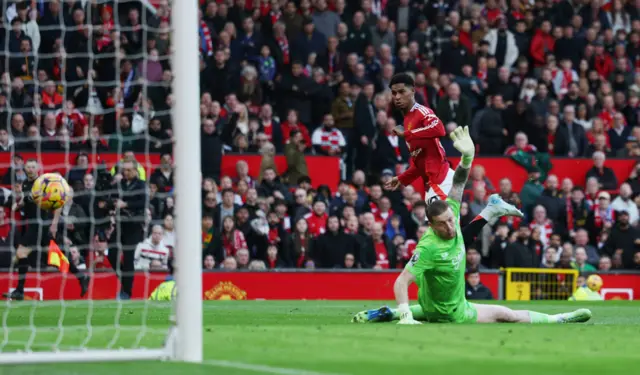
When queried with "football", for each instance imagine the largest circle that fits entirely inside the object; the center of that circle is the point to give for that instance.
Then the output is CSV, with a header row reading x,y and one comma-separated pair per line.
x,y
594,282
50,191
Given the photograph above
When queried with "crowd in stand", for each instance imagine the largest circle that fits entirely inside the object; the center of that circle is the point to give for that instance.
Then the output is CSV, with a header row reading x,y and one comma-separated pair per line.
x,y
530,78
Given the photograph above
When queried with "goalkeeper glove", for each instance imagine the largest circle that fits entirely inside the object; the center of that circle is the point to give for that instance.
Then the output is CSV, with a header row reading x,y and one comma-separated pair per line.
x,y
406,317
462,142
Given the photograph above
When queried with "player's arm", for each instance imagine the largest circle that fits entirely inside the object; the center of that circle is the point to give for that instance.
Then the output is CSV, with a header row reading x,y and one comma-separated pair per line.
x,y
463,143
431,127
401,291
405,178
54,223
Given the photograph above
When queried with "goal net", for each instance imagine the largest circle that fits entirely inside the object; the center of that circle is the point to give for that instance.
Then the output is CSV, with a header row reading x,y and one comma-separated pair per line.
x,y
92,89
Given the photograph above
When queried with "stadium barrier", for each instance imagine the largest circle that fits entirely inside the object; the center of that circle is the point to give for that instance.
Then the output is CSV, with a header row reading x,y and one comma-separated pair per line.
x,y
278,285
325,170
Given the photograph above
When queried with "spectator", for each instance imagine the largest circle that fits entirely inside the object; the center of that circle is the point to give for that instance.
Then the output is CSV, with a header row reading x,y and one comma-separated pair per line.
x,y
622,243
227,208
475,290
604,264
602,217
520,253
542,223
473,260
391,151
296,162
209,263
542,43
623,202
300,244
582,240
169,238
379,253
619,132
605,176
455,107
152,249
498,246
580,262
570,139
242,259
229,264
478,177
554,203
549,258
317,219
478,200
491,129
328,140
507,55
331,247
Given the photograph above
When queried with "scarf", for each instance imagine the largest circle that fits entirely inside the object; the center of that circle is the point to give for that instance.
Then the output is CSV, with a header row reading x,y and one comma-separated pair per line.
x,y
570,217
283,43
206,33
546,229
599,219
567,78
482,74
551,139
393,140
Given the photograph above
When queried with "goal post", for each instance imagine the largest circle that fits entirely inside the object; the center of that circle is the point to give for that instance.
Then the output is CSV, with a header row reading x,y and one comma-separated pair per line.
x,y
186,115
184,339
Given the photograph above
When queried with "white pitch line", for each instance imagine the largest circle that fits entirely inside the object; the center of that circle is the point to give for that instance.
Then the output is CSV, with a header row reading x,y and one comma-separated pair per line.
x,y
261,368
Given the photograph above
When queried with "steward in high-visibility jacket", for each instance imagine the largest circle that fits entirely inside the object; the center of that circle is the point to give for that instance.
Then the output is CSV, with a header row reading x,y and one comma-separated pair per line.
x,y
583,293
165,291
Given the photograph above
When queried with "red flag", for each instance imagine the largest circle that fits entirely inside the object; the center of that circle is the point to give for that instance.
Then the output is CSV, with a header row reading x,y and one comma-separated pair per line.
x,y
57,257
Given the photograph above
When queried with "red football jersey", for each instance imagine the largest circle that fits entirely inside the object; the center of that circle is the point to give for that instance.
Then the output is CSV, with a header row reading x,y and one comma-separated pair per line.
x,y
422,132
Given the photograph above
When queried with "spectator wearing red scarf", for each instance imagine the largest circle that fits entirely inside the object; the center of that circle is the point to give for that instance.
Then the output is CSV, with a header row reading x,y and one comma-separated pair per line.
x,y
274,260
379,253
232,239
602,217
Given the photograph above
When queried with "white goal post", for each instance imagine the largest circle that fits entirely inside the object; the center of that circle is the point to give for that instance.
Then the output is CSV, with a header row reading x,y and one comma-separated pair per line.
x,y
184,341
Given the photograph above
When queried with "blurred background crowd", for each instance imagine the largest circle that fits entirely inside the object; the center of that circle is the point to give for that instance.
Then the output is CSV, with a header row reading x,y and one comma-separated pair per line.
x,y
534,80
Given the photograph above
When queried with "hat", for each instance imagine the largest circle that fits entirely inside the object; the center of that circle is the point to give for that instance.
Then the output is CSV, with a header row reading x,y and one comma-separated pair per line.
x,y
387,172
604,194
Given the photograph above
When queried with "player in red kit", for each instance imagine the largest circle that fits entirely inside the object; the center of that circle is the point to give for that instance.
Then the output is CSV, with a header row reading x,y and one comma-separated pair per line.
x,y
422,131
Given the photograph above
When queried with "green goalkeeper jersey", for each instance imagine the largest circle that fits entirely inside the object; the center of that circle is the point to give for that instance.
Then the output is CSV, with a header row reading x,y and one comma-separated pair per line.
x,y
439,267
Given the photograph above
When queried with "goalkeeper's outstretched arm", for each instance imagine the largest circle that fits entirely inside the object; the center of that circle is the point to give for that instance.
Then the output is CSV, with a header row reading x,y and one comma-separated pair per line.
x,y
401,291
462,142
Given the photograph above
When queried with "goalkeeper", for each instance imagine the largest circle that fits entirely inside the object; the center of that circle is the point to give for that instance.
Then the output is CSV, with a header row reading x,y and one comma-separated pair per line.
x,y
438,267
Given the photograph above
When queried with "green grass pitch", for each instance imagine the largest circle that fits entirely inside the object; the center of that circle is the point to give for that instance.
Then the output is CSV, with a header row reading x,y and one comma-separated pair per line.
x,y
316,337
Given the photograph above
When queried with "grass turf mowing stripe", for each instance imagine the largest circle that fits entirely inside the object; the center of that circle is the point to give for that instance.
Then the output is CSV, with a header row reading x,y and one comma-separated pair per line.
x,y
262,369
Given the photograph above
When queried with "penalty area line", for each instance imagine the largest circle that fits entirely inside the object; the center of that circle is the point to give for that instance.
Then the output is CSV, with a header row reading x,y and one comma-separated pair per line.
x,y
261,368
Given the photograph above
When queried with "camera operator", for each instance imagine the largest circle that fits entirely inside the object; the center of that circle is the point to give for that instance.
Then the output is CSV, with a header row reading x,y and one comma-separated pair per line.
x,y
130,206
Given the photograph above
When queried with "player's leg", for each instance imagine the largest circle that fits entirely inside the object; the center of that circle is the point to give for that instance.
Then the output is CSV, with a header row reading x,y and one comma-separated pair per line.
x,y
495,209
439,191
22,265
503,314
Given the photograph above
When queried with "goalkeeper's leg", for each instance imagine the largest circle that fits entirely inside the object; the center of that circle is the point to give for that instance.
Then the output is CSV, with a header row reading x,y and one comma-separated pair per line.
x,y
386,314
502,314
496,208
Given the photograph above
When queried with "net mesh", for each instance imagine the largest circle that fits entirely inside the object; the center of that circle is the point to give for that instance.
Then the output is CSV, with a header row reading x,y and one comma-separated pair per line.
x,y
86,87
525,284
